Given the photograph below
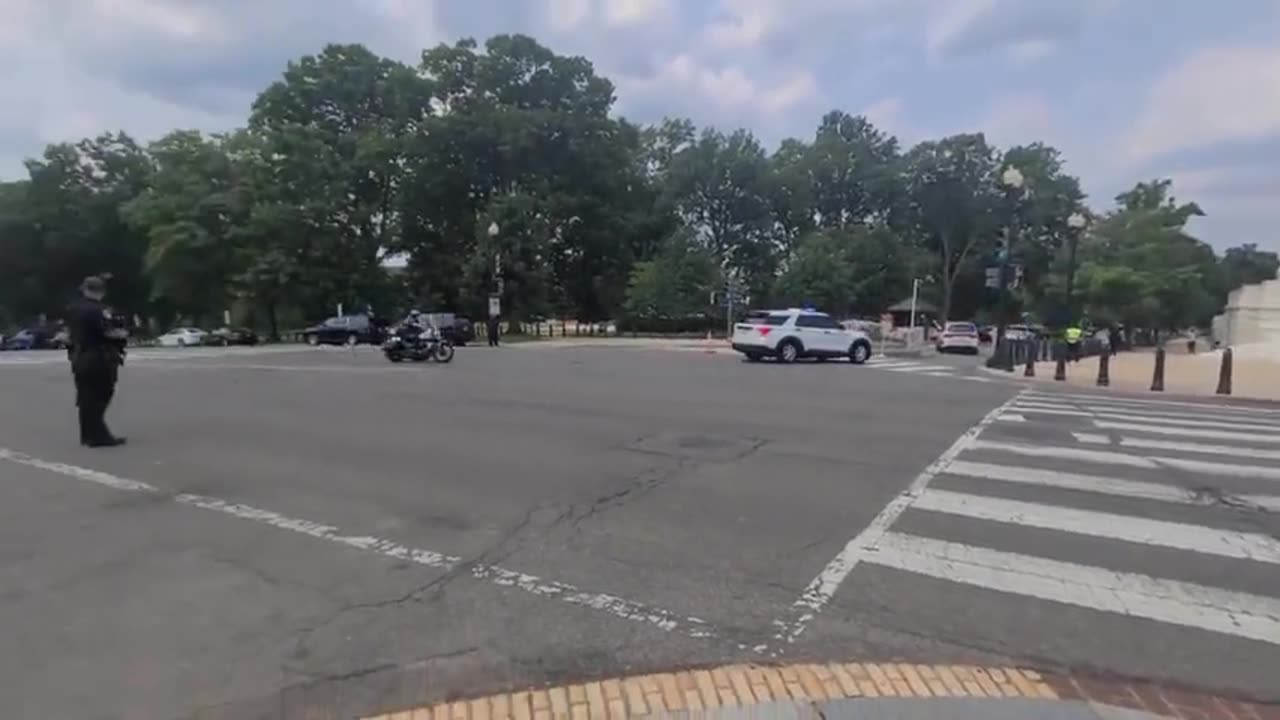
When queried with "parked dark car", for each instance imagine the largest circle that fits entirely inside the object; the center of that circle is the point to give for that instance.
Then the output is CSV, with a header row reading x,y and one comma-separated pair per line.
x,y
345,330
231,336
35,339
457,329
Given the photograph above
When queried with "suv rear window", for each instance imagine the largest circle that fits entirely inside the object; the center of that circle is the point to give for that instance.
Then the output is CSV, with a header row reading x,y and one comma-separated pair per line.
x,y
967,328
773,319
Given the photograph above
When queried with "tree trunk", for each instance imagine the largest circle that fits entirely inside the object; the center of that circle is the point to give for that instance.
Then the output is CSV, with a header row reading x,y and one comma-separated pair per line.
x,y
948,281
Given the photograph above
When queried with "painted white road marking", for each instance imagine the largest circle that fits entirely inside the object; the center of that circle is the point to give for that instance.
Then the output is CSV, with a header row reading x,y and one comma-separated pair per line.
x,y
564,592
820,590
1166,415
1249,424
1170,601
1189,432
939,374
918,368
1105,485
1066,453
1144,531
1037,410
1118,458
1012,417
1092,438
1118,400
1202,448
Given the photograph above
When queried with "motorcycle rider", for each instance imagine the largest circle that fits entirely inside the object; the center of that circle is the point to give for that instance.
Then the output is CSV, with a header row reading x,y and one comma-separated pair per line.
x,y
419,326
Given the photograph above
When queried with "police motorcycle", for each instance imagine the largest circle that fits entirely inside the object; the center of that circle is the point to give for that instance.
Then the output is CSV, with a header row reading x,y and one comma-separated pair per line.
x,y
409,342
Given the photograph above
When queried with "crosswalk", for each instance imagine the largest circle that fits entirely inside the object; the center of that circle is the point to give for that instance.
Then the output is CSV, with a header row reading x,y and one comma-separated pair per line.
x,y
1160,510
925,367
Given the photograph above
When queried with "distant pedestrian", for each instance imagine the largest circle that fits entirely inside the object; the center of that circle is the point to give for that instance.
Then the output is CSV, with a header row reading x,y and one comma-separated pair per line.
x,y
493,330
1113,340
96,352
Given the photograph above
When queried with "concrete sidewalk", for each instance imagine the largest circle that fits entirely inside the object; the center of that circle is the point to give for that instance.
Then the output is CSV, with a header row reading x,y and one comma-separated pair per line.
x,y
1252,377
835,691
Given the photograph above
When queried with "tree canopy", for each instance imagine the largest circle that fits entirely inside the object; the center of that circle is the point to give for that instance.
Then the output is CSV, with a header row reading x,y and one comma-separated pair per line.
x,y
365,181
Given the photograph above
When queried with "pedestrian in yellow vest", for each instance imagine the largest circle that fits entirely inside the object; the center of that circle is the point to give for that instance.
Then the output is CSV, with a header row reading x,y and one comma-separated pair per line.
x,y
1074,335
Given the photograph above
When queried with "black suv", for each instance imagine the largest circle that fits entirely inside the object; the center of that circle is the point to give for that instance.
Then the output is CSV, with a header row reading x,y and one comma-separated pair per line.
x,y
345,330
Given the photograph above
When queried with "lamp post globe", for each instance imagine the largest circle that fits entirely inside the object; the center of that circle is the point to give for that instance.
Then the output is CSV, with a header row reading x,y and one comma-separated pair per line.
x,y
1012,178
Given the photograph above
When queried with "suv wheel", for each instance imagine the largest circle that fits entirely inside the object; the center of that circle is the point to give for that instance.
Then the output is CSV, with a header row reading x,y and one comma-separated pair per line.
x,y
859,353
788,351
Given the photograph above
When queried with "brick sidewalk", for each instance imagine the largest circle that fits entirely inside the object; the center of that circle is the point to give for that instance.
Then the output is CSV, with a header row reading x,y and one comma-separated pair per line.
x,y
743,686
1165,701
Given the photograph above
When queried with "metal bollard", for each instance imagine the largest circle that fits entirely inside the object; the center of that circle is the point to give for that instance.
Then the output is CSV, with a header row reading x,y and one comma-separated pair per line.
x,y
1157,378
1224,373
1060,371
1104,370
1032,352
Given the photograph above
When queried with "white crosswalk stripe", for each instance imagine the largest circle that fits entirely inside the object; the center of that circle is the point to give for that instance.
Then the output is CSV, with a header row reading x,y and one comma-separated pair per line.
x,y
1193,480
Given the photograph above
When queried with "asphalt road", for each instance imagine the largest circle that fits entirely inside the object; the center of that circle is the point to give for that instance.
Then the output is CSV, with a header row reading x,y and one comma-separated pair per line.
x,y
319,529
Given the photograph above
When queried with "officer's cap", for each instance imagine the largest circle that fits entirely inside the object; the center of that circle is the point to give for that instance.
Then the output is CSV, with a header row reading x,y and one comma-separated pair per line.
x,y
93,284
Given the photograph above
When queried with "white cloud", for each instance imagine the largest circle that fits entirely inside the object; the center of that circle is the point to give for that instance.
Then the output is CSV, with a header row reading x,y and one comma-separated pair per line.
x,y
726,88
625,13
1215,96
1031,50
952,22
1018,119
565,15
180,20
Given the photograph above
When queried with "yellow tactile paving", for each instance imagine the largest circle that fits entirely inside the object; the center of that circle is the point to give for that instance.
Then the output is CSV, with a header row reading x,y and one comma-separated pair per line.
x,y
736,685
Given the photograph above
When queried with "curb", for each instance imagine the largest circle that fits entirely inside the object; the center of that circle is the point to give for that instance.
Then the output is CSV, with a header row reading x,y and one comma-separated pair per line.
x,y
739,686
761,687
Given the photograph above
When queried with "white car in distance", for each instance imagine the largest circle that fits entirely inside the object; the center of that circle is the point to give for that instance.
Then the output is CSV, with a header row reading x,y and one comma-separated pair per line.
x,y
959,337
788,335
182,337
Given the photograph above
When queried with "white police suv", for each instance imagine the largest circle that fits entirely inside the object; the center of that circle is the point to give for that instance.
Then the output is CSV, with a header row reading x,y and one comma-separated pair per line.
x,y
789,335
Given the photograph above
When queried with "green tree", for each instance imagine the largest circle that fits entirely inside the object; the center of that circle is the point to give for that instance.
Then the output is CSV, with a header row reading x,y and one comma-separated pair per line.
x,y
1246,265
1142,268
820,272
953,203
190,215
72,224
332,134
676,283
721,189
522,121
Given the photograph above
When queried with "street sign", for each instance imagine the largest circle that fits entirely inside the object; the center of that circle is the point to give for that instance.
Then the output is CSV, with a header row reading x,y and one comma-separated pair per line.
x,y
886,321
993,277
495,305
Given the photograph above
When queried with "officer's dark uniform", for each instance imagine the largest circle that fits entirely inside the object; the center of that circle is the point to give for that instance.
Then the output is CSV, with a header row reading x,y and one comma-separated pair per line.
x,y
95,362
493,329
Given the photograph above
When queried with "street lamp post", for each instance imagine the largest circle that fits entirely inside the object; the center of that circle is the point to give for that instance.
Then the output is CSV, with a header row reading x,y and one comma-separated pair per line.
x,y
1076,222
497,256
494,230
1012,180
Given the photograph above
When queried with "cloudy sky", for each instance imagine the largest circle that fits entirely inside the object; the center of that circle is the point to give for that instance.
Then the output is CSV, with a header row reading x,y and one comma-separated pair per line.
x,y
1128,89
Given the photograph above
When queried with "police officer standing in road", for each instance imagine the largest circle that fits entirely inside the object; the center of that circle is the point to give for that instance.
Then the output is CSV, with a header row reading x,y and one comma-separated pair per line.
x,y
96,352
